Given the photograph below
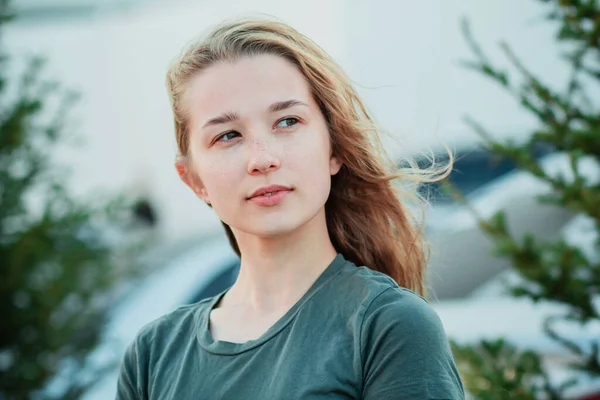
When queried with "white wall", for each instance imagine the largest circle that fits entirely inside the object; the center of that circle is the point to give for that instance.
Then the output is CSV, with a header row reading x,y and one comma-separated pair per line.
x,y
408,50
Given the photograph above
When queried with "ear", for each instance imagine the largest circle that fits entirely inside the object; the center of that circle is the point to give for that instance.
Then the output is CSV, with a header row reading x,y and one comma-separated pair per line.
x,y
191,179
334,165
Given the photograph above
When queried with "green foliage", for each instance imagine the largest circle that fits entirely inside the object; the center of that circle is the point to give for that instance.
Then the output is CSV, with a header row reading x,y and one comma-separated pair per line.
x,y
59,262
495,370
555,271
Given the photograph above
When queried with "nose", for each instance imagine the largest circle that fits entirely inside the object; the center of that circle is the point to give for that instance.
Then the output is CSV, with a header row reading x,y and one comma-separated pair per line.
x,y
262,157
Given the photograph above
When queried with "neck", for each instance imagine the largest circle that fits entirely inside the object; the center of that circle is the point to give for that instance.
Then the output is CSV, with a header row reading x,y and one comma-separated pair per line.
x,y
276,271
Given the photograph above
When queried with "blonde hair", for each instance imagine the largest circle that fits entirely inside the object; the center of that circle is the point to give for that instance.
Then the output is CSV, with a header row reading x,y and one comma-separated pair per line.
x,y
367,221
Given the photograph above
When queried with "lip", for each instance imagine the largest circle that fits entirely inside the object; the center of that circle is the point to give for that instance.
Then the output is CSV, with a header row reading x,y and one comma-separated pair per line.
x,y
269,189
278,194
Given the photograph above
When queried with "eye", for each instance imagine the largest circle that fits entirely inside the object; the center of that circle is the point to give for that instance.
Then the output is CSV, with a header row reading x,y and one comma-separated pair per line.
x,y
227,136
287,122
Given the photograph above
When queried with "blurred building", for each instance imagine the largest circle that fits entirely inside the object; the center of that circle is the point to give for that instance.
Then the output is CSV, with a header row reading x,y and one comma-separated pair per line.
x,y
403,56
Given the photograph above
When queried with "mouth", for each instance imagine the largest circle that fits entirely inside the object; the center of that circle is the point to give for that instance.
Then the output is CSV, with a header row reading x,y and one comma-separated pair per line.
x,y
270,195
268,191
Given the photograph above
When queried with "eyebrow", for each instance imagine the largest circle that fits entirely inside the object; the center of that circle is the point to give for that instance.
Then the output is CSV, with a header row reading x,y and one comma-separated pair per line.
x,y
282,105
233,116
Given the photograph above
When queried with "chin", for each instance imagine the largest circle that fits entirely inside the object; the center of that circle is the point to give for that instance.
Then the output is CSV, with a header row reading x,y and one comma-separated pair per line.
x,y
272,225
274,229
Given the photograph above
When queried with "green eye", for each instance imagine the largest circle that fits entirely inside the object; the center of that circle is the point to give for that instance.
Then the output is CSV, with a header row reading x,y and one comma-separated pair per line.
x,y
227,136
287,122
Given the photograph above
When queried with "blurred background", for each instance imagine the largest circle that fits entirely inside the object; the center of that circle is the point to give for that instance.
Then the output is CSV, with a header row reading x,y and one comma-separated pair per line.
x,y
405,59
402,56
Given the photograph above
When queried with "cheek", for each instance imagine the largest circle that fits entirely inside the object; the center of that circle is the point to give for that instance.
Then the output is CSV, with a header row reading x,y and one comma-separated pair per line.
x,y
219,175
308,162
309,154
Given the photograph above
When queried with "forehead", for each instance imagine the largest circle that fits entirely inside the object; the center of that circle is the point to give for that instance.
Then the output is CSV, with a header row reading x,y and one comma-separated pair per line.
x,y
245,85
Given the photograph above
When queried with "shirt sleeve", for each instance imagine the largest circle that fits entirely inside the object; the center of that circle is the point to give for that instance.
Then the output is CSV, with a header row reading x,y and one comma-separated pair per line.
x,y
405,351
127,383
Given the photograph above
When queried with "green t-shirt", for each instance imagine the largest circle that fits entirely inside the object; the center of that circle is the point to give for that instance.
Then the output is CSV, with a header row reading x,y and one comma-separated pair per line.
x,y
355,334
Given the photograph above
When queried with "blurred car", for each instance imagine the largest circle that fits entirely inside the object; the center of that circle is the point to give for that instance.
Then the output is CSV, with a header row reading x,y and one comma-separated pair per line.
x,y
196,273
461,259
490,313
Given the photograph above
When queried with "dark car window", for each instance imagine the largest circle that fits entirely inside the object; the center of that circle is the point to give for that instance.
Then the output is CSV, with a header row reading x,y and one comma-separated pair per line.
x,y
219,283
472,170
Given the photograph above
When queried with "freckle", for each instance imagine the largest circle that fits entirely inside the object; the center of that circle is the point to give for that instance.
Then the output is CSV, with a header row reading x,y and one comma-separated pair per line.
x,y
260,144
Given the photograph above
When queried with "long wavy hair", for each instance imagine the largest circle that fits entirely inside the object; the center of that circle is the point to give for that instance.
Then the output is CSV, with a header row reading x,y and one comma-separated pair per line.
x,y
367,215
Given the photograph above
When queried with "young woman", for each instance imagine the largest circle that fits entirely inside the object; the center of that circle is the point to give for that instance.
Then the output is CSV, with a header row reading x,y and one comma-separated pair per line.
x,y
328,302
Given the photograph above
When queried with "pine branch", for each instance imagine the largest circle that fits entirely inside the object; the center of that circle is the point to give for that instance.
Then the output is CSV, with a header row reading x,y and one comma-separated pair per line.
x,y
59,268
553,271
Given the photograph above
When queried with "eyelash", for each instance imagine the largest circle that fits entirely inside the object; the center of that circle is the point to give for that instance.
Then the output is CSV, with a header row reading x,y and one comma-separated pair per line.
x,y
221,136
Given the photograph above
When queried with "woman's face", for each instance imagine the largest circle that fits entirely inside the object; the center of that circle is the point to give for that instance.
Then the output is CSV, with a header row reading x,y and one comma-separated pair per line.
x,y
253,123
